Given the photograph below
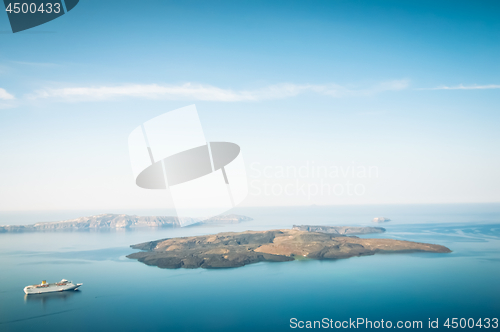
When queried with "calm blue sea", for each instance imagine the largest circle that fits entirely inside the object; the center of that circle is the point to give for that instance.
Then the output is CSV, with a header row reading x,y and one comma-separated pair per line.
x,y
124,295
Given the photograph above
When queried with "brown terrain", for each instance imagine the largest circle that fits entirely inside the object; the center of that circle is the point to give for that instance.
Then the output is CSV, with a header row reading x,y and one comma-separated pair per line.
x,y
225,250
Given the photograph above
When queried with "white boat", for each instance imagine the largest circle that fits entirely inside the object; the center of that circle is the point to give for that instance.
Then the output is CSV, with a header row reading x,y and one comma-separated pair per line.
x,y
44,287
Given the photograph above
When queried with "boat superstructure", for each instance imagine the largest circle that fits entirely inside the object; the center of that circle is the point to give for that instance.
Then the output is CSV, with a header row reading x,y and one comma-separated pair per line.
x,y
44,287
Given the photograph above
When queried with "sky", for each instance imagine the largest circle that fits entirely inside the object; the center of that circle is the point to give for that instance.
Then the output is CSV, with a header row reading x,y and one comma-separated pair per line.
x,y
331,102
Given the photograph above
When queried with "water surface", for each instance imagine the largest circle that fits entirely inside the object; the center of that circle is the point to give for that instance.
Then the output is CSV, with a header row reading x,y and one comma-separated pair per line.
x,y
120,294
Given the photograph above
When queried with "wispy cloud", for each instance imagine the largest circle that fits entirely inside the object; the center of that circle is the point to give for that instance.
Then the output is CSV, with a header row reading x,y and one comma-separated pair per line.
x,y
210,93
37,64
462,87
4,95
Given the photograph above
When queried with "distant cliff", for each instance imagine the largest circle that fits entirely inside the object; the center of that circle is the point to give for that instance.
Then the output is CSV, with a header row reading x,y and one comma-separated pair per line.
x,y
340,230
114,221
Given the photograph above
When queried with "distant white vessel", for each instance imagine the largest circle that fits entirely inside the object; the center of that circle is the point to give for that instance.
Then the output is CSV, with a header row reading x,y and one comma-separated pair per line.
x,y
44,287
381,219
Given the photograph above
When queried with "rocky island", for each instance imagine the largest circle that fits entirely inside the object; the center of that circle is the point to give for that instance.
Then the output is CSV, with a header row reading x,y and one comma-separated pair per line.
x,y
117,221
226,250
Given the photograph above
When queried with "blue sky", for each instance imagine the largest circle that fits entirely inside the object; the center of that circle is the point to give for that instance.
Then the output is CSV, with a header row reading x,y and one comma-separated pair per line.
x,y
411,88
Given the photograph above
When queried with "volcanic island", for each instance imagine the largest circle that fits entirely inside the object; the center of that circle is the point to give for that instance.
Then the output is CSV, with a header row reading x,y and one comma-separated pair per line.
x,y
230,249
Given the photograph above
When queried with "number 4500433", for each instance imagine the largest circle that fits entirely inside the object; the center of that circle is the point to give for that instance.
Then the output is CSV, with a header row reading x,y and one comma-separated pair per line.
x,y
32,8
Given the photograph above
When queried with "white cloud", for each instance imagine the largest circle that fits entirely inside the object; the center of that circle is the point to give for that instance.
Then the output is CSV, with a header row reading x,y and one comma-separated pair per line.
x,y
462,87
210,93
38,64
4,95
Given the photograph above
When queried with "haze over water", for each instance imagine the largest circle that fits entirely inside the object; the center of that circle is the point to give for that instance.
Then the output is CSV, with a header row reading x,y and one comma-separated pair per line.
x,y
125,295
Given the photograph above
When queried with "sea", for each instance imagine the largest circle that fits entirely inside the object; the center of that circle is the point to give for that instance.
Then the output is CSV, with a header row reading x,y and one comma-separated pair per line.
x,y
459,289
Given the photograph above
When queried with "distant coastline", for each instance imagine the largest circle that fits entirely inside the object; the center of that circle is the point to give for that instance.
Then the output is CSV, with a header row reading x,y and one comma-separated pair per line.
x,y
340,230
117,221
